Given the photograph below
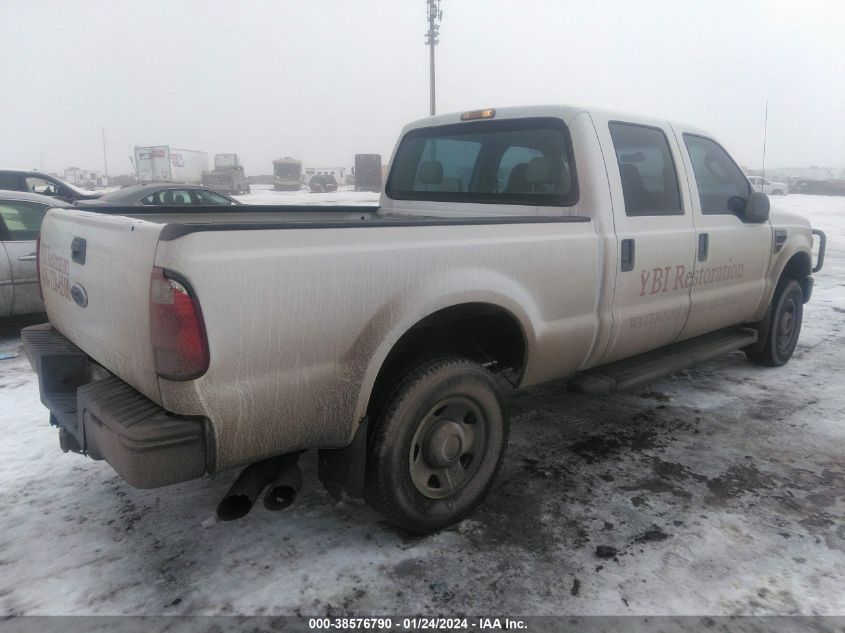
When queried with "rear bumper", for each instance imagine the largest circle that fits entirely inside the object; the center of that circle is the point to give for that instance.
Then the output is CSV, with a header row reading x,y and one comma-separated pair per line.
x,y
108,419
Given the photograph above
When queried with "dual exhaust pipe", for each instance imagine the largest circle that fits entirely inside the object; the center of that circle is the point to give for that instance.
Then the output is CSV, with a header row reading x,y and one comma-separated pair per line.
x,y
280,475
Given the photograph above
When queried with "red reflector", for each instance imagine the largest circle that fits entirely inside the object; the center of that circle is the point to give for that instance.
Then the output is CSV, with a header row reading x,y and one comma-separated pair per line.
x,y
177,331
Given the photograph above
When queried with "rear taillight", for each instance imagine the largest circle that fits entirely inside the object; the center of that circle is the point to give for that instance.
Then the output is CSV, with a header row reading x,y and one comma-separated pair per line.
x,y
177,331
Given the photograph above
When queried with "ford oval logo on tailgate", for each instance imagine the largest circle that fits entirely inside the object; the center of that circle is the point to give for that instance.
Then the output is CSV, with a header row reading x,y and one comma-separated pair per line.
x,y
79,295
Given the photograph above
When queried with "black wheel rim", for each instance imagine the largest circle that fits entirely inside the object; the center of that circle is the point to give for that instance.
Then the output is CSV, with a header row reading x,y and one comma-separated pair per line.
x,y
448,447
787,327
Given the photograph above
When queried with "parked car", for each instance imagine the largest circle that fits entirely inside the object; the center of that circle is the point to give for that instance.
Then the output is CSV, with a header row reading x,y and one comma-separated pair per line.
x,y
20,220
770,187
36,182
381,336
160,194
321,183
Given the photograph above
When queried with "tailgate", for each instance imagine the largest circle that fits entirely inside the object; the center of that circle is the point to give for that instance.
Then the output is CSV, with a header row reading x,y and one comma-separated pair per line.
x,y
98,295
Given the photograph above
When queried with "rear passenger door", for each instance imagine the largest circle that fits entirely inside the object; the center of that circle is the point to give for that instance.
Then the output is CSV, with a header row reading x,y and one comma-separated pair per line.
x,y
732,258
21,222
6,290
654,232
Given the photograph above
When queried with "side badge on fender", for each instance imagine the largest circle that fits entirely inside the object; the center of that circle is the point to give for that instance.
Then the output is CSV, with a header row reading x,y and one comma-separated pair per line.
x,y
79,295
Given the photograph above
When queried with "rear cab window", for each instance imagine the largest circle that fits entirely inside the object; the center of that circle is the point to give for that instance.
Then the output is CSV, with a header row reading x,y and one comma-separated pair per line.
x,y
522,161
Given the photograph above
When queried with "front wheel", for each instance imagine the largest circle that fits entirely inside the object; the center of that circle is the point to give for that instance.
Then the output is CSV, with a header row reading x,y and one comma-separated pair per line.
x,y
784,326
437,445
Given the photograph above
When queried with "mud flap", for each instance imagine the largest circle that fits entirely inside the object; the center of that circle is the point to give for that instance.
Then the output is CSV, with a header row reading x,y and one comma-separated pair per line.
x,y
342,470
763,326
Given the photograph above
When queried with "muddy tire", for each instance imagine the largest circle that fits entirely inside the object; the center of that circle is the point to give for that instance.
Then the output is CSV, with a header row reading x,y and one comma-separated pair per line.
x,y
784,326
437,445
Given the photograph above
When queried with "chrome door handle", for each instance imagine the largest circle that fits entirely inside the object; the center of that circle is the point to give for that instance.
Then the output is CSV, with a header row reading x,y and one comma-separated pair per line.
x,y
27,258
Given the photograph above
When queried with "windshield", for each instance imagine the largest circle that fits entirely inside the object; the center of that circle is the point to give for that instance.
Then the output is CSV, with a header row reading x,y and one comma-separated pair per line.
x,y
287,170
526,161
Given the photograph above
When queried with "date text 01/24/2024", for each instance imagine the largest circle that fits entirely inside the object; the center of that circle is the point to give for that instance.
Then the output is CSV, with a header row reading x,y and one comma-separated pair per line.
x,y
417,623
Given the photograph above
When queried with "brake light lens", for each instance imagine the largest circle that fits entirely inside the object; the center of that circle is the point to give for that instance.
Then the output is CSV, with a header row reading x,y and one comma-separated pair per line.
x,y
177,330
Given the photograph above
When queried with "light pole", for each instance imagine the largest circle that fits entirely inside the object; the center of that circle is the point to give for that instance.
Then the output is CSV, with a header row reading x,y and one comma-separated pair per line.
x,y
434,15
105,162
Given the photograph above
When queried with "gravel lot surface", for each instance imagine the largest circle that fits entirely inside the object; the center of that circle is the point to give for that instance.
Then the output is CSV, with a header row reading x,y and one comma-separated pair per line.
x,y
718,490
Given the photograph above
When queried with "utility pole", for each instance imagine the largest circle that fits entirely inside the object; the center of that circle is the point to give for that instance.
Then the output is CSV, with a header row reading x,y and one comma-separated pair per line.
x,y
105,162
765,133
434,15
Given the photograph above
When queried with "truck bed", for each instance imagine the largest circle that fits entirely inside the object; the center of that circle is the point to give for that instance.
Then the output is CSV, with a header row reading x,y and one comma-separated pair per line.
x,y
273,282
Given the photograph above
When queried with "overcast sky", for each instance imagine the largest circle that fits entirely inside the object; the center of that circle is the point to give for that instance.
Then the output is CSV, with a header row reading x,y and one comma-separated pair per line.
x,y
322,80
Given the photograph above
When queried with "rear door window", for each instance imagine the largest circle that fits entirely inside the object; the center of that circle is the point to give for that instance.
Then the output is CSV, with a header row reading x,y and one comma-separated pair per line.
x,y
210,198
649,180
170,197
525,161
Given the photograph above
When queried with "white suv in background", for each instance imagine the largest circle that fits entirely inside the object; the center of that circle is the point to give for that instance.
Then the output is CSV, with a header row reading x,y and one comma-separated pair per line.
x,y
769,186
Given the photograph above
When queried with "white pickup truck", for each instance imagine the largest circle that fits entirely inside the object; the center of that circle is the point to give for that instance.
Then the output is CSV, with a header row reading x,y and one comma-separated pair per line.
x,y
511,246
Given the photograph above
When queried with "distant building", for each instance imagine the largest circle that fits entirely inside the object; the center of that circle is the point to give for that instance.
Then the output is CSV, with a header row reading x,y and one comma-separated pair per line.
x,y
85,178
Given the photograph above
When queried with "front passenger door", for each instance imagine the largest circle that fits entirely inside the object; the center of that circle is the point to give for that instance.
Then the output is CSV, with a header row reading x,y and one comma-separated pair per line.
x,y
732,255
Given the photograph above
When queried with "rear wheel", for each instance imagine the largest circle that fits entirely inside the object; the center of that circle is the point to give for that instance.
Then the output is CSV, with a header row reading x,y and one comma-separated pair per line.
x,y
438,444
784,326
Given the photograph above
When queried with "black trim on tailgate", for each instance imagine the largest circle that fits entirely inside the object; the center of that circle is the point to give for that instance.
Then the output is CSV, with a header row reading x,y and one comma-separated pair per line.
x,y
177,230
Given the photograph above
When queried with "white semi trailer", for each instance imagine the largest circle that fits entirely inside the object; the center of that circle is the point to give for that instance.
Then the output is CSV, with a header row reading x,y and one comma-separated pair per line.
x,y
162,163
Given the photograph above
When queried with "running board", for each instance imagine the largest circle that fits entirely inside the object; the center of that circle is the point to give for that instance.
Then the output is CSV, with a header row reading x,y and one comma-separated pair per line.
x,y
648,367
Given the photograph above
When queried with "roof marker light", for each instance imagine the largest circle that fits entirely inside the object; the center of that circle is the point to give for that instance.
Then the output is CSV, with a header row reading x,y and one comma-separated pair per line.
x,y
473,115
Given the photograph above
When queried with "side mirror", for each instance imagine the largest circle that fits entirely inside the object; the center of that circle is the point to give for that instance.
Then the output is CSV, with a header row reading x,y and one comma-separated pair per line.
x,y
757,208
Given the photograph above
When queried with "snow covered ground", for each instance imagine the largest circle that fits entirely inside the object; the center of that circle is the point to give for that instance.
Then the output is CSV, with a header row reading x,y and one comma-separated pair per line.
x,y
721,488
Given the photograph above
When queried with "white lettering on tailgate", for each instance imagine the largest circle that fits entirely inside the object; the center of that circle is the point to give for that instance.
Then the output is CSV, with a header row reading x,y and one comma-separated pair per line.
x,y
54,273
